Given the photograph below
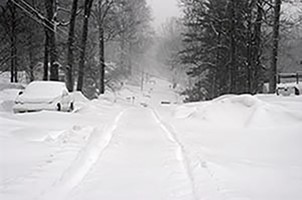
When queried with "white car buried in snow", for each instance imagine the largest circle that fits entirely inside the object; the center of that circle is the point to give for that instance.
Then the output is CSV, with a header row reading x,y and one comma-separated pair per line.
x,y
288,89
44,95
292,85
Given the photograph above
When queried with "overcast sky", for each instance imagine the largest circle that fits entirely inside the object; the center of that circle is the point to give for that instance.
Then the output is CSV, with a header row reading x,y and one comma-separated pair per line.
x,y
163,9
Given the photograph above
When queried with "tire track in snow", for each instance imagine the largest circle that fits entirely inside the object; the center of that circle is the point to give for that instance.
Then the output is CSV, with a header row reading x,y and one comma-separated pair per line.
x,y
98,141
184,158
180,154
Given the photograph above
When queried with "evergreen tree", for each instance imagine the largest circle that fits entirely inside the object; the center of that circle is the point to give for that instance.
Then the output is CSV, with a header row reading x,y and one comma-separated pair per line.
x,y
222,46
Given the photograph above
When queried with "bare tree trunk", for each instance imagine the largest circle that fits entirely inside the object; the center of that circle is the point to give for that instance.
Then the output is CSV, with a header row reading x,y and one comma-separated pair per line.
x,y
130,58
274,61
31,59
102,60
249,56
88,4
46,56
31,48
216,84
254,21
232,75
258,48
13,38
123,51
54,71
71,40
101,47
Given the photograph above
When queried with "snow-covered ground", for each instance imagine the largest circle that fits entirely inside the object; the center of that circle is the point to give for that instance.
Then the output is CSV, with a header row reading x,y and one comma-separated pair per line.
x,y
129,146
242,147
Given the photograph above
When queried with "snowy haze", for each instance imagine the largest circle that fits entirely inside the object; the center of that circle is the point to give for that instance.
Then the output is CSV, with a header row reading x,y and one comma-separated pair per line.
x,y
162,10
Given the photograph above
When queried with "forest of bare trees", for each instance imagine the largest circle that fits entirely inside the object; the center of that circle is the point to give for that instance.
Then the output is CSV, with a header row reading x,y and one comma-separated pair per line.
x,y
72,38
217,47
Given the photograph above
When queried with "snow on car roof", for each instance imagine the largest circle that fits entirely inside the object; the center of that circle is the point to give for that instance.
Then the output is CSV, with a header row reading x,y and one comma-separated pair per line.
x,y
44,89
290,84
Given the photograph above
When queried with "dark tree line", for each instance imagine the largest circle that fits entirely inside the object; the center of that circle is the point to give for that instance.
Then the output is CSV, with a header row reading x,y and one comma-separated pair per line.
x,y
19,41
72,37
224,45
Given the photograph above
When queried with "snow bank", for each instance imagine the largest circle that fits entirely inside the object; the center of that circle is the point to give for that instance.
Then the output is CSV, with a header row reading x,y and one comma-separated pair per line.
x,y
95,107
79,97
37,148
243,147
4,86
7,99
79,100
97,142
238,111
8,94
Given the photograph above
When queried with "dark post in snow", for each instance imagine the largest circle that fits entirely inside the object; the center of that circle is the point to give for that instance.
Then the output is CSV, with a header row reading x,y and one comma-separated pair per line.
x,y
70,46
274,61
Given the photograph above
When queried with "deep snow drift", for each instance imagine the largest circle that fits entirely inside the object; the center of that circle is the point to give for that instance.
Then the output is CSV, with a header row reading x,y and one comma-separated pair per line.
x,y
128,146
243,147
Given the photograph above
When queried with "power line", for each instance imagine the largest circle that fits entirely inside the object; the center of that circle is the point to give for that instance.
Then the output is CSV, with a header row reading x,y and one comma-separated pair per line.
x,y
42,21
31,15
44,24
53,23
37,12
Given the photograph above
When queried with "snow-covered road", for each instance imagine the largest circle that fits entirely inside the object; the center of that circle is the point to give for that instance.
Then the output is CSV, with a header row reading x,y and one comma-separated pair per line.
x,y
140,162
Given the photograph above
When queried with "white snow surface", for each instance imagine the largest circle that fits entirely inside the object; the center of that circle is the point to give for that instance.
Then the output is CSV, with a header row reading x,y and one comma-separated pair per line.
x,y
118,147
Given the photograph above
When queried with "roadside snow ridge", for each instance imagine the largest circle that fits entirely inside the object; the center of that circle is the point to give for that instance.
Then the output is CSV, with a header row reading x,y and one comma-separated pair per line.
x,y
88,156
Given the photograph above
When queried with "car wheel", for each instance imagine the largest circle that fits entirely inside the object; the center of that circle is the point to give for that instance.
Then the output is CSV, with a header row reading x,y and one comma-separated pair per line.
x,y
59,107
71,106
297,92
